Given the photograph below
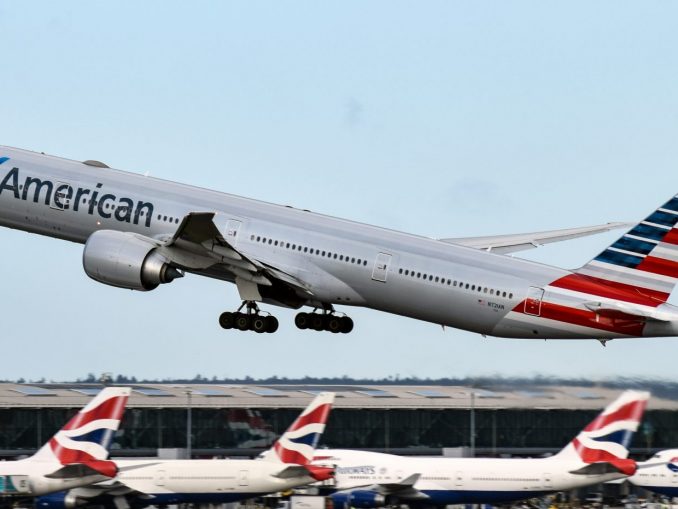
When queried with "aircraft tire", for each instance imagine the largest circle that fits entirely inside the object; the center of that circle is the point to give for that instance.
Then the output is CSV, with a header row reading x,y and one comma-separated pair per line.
x,y
301,321
334,324
317,322
242,321
271,324
346,324
226,320
259,324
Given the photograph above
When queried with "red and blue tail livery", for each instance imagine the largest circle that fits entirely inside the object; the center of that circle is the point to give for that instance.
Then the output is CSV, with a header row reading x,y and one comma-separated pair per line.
x,y
606,439
85,439
298,443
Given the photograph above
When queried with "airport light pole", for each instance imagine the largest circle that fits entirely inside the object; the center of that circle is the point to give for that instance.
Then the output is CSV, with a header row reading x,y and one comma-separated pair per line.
x,y
189,423
472,440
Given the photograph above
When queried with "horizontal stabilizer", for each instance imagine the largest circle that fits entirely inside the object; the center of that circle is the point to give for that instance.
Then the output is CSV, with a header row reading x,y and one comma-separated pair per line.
x,y
623,311
596,469
512,243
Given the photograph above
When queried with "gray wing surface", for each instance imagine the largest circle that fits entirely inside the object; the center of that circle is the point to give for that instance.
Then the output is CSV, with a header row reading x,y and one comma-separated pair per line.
x,y
504,244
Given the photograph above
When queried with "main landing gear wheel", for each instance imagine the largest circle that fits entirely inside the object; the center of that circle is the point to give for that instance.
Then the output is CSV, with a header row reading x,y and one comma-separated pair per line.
x,y
251,320
324,322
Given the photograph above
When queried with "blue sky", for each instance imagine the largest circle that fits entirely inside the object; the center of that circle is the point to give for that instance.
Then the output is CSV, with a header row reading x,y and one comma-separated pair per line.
x,y
438,118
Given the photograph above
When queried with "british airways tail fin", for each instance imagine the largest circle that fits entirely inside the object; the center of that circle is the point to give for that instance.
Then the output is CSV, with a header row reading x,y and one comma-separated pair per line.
x,y
85,439
606,439
298,443
644,259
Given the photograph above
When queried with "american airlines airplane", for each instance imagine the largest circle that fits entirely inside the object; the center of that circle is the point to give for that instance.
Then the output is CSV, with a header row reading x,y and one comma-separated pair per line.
x,y
76,456
597,454
141,483
660,474
140,232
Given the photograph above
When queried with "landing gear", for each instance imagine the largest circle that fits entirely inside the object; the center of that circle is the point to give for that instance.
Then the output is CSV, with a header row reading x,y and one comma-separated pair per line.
x,y
251,320
325,321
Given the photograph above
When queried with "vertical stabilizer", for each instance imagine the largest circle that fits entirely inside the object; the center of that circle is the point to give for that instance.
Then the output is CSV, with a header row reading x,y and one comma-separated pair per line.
x,y
607,437
298,443
85,439
645,259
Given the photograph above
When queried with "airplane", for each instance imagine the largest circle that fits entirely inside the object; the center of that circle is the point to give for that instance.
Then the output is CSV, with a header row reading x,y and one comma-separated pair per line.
x,y
599,453
660,474
140,232
141,483
77,455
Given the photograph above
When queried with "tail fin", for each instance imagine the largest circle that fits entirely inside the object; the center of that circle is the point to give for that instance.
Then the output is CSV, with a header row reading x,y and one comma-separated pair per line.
x,y
645,259
607,437
85,439
298,443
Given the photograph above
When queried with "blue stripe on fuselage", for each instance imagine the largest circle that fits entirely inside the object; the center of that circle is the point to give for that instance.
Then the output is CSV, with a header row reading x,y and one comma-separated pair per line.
x,y
161,499
445,497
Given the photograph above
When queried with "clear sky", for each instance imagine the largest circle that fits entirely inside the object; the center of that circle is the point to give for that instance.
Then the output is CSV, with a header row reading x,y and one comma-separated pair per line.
x,y
437,118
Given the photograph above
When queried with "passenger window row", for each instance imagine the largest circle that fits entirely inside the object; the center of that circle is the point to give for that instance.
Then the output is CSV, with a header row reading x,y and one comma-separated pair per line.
x,y
310,250
168,219
450,282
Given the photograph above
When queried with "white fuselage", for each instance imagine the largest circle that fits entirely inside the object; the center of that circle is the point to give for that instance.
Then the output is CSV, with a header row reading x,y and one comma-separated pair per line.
x,y
28,477
459,480
204,481
659,474
341,262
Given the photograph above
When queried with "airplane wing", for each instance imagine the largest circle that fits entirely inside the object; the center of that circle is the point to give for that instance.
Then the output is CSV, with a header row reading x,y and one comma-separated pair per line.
x,y
403,490
504,244
198,245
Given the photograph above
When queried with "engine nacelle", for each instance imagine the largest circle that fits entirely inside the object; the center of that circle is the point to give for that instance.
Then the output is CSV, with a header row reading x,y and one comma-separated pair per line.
x,y
58,500
126,260
364,499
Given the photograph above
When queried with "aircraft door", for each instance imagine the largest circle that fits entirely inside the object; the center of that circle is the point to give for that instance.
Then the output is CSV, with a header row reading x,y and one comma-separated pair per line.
x,y
243,478
533,301
160,478
381,266
232,230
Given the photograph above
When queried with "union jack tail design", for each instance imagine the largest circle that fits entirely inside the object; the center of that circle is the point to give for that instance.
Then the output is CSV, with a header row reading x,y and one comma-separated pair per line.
x,y
298,443
607,437
85,439
645,259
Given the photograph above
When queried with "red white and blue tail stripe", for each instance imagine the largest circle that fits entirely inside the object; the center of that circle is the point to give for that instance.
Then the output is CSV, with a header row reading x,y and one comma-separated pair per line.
x,y
606,439
645,258
85,439
297,445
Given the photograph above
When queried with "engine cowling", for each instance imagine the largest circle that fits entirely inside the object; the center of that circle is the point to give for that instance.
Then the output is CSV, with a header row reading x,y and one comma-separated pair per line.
x,y
58,500
126,260
364,499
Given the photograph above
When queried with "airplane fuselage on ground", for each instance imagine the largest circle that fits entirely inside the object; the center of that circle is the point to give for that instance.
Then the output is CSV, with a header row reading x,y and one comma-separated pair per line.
x,y
443,481
293,257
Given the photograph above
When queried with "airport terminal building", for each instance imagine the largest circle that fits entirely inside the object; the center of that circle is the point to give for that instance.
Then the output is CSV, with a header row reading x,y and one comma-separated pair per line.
x,y
241,420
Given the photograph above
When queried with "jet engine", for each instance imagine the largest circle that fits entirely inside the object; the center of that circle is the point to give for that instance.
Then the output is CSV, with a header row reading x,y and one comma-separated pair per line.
x,y
363,499
58,500
126,260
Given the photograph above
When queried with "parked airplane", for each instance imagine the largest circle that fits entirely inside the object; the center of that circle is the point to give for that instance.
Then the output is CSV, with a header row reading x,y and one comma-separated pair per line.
x,y
140,232
659,473
597,454
75,456
141,483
